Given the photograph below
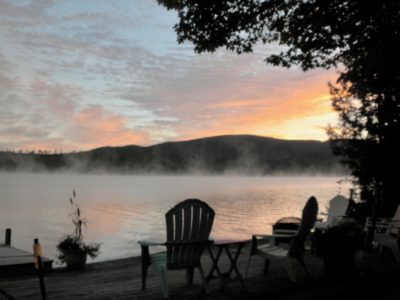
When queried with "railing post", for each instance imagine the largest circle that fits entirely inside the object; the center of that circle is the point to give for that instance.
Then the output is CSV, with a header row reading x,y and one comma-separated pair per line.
x,y
8,237
37,252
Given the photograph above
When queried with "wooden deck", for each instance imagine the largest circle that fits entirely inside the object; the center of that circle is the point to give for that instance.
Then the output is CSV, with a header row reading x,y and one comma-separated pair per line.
x,y
376,278
15,261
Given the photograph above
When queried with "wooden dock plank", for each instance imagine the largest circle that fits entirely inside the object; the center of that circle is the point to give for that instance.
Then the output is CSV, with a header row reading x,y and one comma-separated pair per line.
x,y
10,255
17,261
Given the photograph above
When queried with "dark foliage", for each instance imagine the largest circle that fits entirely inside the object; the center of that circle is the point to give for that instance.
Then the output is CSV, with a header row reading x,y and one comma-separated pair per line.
x,y
337,245
73,244
318,33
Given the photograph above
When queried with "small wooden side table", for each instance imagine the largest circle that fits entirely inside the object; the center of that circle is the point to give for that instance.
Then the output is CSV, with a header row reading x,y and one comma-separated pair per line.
x,y
221,245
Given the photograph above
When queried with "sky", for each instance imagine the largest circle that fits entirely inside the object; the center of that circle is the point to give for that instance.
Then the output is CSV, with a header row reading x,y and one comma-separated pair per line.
x,y
81,74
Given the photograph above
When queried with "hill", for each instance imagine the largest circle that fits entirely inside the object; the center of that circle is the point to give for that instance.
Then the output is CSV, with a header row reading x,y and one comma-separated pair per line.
x,y
236,154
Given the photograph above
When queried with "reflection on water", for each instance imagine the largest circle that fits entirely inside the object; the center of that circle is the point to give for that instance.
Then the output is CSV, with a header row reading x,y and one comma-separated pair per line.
x,y
124,209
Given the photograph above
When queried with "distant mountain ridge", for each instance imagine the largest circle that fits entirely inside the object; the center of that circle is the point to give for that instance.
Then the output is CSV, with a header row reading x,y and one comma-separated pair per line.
x,y
232,154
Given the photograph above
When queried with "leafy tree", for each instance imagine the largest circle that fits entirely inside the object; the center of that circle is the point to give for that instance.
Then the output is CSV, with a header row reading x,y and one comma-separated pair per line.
x,y
361,37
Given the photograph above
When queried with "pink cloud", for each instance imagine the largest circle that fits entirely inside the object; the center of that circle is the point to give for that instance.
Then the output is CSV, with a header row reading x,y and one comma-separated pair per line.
x,y
96,127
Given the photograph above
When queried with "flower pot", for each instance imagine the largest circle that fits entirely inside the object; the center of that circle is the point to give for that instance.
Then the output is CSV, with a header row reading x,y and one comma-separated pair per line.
x,y
75,260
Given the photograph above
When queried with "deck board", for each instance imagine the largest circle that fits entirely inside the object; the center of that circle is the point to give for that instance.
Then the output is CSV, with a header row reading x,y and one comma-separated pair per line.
x,y
121,279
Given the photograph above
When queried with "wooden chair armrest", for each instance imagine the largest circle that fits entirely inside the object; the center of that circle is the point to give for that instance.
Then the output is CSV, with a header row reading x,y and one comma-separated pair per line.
x,y
393,222
386,224
386,220
259,235
342,216
186,243
270,237
381,220
150,243
273,236
284,232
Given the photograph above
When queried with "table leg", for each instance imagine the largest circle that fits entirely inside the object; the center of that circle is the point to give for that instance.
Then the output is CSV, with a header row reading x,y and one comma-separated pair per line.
x,y
233,266
214,266
145,264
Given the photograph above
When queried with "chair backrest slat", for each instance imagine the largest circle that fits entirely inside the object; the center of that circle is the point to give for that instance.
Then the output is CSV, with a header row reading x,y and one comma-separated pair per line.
x,y
184,257
187,222
178,217
203,224
196,223
210,220
337,208
308,219
189,225
170,234
396,218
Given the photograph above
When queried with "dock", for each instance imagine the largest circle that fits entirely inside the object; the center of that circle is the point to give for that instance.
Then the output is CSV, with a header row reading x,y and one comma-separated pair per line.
x,y
375,277
15,261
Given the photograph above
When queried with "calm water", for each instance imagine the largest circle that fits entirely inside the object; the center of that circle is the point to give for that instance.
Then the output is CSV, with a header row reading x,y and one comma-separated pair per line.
x,y
124,209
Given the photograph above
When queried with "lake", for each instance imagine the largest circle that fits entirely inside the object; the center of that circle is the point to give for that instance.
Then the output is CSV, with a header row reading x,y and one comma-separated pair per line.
x,y
124,209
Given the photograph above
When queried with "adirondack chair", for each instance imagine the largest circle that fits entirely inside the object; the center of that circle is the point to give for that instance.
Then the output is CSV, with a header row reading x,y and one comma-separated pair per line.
x,y
295,251
387,233
189,225
337,209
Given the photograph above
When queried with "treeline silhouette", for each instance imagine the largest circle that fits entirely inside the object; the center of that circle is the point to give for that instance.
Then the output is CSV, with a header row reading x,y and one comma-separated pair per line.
x,y
236,154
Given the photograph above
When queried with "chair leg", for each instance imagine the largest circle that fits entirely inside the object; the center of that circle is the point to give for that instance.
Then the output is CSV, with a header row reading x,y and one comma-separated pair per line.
x,y
248,266
266,265
144,276
380,249
203,279
189,275
164,283
395,249
145,257
302,263
253,250
287,264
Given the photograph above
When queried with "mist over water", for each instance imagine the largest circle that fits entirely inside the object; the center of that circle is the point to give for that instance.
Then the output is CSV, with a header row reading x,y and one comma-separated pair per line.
x,y
124,209
247,155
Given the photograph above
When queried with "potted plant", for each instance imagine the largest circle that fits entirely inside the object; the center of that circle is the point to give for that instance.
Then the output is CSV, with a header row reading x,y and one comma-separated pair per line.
x,y
72,250
338,245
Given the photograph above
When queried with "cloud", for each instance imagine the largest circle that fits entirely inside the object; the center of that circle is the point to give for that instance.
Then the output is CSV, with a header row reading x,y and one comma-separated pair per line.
x,y
89,128
29,13
55,98
95,127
